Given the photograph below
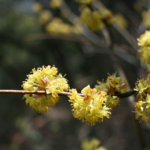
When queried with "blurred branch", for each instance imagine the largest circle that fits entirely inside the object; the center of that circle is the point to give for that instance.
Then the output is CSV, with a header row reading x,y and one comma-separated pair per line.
x,y
122,74
123,95
93,38
40,36
122,31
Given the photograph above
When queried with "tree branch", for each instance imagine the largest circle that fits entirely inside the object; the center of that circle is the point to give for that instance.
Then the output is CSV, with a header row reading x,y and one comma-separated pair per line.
x,y
4,91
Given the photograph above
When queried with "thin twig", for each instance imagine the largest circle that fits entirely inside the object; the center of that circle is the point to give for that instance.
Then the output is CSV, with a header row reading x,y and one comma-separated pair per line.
x,y
34,92
128,37
87,33
40,36
4,91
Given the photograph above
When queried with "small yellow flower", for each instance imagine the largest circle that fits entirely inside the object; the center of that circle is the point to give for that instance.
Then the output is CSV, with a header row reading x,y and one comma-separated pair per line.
x,y
57,26
144,52
113,85
37,7
40,103
92,145
146,18
142,110
56,3
91,19
84,1
116,84
101,86
119,20
112,101
45,16
142,106
144,40
45,78
105,14
89,109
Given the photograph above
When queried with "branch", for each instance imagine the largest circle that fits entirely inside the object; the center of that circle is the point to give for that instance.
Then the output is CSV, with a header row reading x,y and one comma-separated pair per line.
x,y
34,92
4,91
87,33
128,37
40,36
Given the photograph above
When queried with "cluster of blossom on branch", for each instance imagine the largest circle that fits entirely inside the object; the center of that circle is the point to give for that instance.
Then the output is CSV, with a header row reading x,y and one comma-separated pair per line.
x,y
44,78
94,107
142,106
99,101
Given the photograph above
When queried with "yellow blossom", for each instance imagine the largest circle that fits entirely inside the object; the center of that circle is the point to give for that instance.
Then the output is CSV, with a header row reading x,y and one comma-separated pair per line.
x,y
37,7
45,78
142,110
112,101
101,86
119,20
56,3
142,106
112,86
143,85
85,1
89,109
116,84
91,19
105,14
144,52
146,18
40,103
57,26
144,40
45,16
92,145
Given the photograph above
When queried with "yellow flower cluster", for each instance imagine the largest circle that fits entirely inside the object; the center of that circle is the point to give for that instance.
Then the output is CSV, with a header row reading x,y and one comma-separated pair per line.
x,y
105,14
37,7
45,16
57,26
119,20
89,109
91,19
92,145
95,20
144,52
142,106
85,1
108,17
146,18
45,78
56,3
112,86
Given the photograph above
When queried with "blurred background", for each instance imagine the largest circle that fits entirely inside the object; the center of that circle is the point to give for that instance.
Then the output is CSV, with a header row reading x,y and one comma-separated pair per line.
x,y
25,44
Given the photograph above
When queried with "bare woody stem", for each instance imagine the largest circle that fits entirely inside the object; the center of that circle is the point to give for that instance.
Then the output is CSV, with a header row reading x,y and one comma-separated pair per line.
x,y
124,95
